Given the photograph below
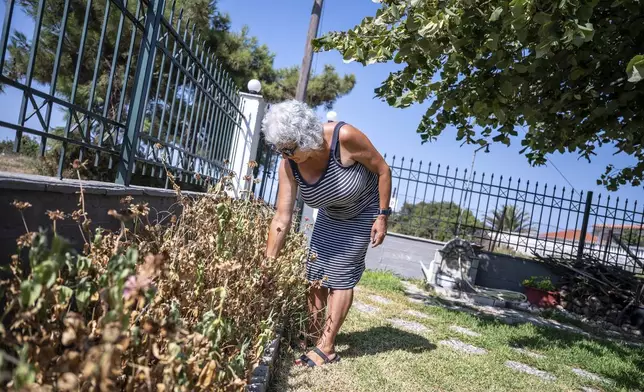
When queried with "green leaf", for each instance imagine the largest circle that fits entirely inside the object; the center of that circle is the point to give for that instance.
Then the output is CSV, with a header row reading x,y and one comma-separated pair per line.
x,y
479,108
46,273
500,115
520,68
29,293
83,264
24,375
542,18
577,73
84,292
506,88
395,12
64,294
635,69
412,26
349,55
543,49
585,12
496,14
588,31
493,41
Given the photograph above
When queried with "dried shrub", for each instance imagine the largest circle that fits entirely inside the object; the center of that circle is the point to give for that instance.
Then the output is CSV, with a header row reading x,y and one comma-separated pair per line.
x,y
185,306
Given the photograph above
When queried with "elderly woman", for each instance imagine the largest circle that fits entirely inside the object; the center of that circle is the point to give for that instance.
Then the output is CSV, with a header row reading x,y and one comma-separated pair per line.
x,y
339,172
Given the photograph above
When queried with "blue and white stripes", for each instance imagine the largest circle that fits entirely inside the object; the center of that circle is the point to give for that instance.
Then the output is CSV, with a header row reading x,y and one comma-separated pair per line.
x,y
348,203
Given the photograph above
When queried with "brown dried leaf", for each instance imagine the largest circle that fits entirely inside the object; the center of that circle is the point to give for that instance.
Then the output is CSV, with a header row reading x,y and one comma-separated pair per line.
x,y
69,337
67,382
206,375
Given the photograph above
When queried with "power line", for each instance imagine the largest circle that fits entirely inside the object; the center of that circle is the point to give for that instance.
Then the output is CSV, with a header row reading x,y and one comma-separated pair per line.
x,y
561,174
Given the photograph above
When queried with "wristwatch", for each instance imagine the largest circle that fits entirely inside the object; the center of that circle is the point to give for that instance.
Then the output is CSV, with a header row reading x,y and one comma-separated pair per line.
x,y
385,212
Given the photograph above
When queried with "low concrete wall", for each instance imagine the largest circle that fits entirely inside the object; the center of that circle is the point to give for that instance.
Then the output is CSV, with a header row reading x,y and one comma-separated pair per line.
x,y
499,271
402,254
46,193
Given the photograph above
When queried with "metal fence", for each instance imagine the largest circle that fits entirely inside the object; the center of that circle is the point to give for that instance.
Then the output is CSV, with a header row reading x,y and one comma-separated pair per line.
x,y
502,214
139,91
267,173
514,216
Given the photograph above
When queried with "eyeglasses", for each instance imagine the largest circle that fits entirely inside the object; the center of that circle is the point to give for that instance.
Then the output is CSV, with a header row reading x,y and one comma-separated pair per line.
x,y
289,152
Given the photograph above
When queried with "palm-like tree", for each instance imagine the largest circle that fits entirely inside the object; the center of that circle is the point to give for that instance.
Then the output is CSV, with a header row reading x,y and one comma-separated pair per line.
x,y
509,218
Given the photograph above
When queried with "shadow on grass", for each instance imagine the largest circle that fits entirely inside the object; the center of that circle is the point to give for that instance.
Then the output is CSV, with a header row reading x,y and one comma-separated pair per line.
x,y
381,340
373,341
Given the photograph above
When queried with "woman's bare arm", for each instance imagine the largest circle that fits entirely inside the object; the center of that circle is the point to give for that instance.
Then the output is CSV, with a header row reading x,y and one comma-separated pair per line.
x,y
359,149
281,224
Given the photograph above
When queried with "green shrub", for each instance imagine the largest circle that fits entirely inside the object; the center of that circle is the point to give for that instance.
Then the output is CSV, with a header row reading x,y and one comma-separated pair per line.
x,y
539,282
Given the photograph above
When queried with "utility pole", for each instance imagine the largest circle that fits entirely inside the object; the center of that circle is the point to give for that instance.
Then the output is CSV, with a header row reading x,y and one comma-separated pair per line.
x,y
305,69
303,82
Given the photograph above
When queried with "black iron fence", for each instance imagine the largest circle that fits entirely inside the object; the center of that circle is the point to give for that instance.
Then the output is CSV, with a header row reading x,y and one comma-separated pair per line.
x,y
139,92
514,216
503,214
267,173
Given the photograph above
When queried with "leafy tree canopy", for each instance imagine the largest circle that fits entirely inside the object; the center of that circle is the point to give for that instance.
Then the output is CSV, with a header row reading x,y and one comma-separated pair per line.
x,y
434,220
569,72
240,54
633,237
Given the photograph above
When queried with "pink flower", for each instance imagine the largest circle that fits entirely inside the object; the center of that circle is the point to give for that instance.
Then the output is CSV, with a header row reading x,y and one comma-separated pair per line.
x,y
136,285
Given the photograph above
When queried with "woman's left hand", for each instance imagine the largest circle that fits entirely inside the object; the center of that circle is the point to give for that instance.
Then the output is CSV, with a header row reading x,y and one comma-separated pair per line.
x,y
378,231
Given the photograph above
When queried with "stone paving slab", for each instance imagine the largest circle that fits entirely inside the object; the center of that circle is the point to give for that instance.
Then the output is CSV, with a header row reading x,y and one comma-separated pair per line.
x,y
464,331
590,376
463,347
523,368
408,325
365,308
411,288
418,314
379,299
528,353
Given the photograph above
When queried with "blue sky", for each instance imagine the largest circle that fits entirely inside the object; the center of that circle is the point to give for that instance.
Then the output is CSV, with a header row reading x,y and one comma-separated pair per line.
x,y
282,25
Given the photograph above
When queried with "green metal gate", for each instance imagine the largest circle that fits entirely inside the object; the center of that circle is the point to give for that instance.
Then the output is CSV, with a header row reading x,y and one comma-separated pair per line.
x,y
140,92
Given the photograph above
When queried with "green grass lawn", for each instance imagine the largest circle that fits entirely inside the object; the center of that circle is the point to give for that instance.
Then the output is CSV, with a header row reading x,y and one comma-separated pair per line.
x,y
378,356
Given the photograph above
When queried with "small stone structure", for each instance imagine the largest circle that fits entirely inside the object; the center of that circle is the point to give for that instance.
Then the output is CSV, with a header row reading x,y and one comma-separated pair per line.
x,y
454,266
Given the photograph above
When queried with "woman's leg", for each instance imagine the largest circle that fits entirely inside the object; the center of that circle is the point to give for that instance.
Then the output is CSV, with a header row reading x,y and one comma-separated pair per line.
x,y
338,304
317,301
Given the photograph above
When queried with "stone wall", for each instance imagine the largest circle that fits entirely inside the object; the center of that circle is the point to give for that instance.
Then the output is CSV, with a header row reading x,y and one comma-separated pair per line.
x,y
46,193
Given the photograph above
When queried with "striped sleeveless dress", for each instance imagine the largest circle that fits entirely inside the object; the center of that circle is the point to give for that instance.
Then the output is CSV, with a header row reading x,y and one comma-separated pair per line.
x,y
348,202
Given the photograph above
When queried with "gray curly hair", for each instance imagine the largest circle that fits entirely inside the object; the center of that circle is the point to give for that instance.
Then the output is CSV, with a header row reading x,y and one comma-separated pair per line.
x,y
291,123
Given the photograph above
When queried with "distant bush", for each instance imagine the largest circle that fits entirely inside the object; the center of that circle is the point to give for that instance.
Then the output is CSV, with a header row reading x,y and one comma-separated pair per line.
x,y
28,147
